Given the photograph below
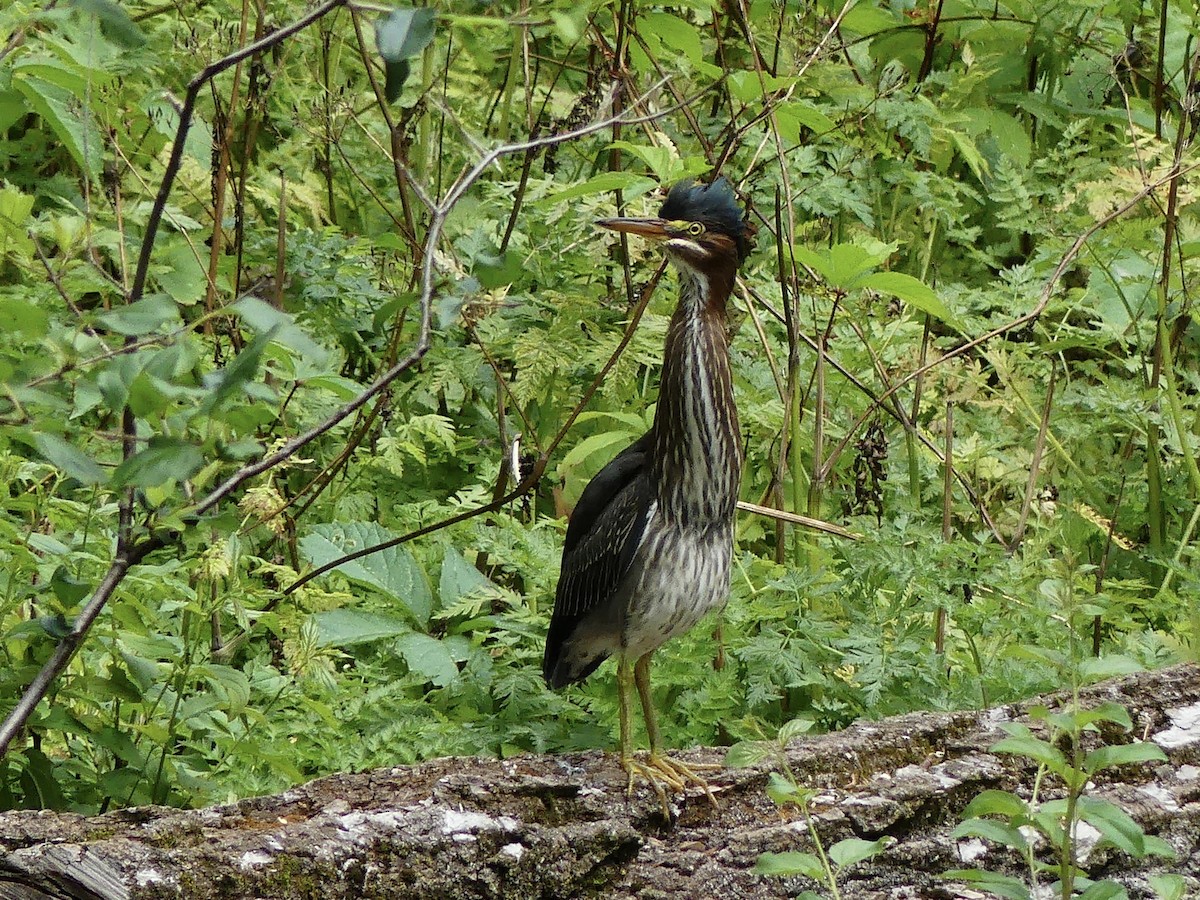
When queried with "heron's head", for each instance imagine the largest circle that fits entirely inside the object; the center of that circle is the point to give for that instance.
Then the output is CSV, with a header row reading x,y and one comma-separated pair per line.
x,y
700,226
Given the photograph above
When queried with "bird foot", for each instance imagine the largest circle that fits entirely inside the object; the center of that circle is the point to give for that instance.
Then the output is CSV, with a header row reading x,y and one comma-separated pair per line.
x,y
662,773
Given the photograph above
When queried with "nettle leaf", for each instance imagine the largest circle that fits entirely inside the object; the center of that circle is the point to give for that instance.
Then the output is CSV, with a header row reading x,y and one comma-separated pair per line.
x,y
227,382
20,317
393,571
460,578
400,35
15,207
74,128
748,753
69,458
428,657
114,21
146,316
347,627
632,184
166,459
282,328
911,290
67,588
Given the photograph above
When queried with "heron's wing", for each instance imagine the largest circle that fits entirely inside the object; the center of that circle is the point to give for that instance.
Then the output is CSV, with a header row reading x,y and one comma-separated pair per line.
x,y
602,538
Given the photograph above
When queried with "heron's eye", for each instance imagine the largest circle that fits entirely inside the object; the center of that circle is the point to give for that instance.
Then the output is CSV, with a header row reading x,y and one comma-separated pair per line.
x,y
695,229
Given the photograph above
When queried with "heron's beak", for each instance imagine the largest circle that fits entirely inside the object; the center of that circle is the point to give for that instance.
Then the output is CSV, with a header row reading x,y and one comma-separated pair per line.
x,y
654,229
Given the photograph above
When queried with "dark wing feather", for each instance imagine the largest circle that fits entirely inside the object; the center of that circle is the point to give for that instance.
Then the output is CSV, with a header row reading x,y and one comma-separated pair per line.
x,y
602,537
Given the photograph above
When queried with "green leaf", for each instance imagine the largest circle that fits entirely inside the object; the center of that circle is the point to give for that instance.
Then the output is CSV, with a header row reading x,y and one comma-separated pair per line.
x,y
393,571
849,851
347,627
400,35
1104,890
786,865
1120,755
595,443
71,460
115,22
795,114
996,803
632,184
1001,885
1115,824
1039,751
15,209
225,383
748,753
782,791
793,728
146,316
428,657
1168,887
1100,668
166,459
183,275
997,832
21,317
459,578
282,328
911,290
67,588
74,128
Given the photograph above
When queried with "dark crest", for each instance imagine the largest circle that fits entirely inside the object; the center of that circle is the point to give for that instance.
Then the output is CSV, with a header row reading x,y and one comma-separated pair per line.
x,y
713,204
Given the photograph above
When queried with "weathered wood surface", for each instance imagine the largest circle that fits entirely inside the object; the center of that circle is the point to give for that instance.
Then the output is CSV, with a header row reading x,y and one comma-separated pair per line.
x,y
561,826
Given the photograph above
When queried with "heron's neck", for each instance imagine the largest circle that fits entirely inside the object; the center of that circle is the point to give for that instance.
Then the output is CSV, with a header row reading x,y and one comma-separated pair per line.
x,y
697,458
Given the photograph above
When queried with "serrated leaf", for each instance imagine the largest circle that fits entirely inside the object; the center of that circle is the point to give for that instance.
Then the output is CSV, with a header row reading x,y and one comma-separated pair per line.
x,y
67,588
115,22
347,627
783,791
459,578
793,728
393,571
266,319
786,865
911,290
227,382
849,851
632,184
70,459
166,459
74,129
595,443
143,317
428,657
748,753
399,36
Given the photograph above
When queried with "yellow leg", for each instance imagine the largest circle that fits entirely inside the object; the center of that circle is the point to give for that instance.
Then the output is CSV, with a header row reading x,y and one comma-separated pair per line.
x,y
625,680
659,767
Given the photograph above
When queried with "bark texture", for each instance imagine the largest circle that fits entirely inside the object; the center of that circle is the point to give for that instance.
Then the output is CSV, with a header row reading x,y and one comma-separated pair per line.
x,y
561,826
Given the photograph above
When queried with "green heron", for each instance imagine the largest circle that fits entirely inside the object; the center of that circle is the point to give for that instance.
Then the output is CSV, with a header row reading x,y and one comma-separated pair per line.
x,y
649,545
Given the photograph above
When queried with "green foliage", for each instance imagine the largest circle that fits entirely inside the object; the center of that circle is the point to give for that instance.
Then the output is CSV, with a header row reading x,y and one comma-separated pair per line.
x,y
916,184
